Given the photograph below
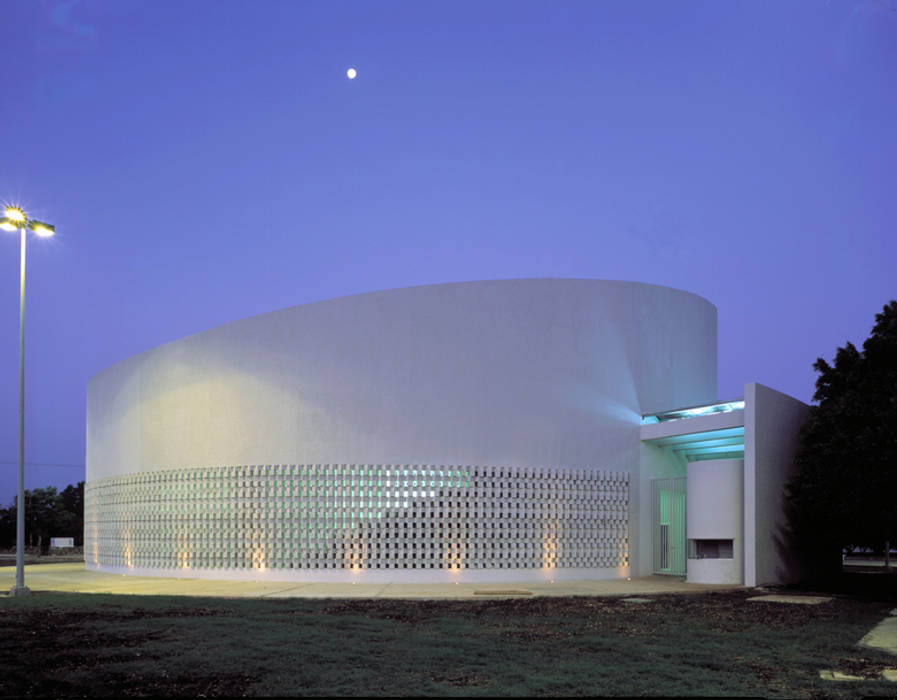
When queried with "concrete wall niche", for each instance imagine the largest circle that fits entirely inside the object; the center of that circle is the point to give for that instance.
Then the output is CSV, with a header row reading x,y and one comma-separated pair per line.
x,y
714,526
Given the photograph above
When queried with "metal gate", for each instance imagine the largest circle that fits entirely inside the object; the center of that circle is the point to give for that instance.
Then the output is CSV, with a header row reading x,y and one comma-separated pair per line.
x,y
668,519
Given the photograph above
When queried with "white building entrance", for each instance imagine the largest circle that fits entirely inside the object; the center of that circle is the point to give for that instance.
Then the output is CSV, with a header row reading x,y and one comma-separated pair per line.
x,y
668,518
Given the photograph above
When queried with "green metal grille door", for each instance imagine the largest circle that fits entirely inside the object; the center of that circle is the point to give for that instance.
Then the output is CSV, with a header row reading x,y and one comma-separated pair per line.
x,y
668,513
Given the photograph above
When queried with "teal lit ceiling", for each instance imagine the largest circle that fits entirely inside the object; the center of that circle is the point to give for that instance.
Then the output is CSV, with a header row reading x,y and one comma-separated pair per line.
x,y
727,443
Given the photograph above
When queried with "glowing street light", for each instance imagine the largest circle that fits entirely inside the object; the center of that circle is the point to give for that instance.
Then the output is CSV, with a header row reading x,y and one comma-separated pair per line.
x,y
16,219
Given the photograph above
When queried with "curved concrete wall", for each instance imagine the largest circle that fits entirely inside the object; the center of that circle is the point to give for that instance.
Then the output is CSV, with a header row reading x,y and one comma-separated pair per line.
x,y
513,373
517,372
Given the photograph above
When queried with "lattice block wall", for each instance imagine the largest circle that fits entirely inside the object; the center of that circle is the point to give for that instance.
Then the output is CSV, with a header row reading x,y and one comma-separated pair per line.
x,y
365,517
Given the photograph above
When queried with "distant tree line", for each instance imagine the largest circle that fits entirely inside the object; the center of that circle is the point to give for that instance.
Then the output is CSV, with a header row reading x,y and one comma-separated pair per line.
x,y
48,513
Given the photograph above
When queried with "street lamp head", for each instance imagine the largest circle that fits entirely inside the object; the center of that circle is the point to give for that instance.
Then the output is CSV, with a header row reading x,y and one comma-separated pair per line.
x,y
15,215
41,228
15,219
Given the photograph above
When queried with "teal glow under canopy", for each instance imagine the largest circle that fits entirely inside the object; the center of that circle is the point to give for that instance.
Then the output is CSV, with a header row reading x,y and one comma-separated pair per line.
x,y
727,443
693,412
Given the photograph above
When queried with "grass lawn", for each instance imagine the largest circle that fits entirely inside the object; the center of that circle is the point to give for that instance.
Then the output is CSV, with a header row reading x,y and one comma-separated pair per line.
x,y
698,644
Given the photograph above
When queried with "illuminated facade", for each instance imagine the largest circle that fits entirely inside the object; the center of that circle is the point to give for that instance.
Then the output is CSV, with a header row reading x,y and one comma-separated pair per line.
x,y
360,518
473,431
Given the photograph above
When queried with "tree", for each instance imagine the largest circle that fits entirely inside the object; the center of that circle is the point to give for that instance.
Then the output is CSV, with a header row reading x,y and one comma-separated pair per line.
x,y
71,522
7,527
47,514
845,492
42,514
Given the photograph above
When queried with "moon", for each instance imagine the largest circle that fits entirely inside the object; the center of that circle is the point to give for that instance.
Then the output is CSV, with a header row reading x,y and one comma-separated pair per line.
x,y
351,73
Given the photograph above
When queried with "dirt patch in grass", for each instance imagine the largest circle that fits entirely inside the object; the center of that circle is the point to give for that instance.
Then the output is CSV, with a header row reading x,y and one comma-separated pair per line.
x,y
719,611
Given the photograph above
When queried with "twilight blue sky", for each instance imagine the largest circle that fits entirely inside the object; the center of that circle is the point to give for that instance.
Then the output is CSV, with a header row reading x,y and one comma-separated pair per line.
x,y
204,161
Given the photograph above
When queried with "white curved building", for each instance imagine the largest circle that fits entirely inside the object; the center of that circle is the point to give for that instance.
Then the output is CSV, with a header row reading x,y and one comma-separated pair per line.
x,y
480,430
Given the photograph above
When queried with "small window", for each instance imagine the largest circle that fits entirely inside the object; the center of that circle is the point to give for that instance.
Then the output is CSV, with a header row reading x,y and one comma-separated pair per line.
x,y
710,549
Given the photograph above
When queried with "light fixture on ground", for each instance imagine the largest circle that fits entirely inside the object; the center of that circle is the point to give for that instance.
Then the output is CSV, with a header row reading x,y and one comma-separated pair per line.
x,y
16,219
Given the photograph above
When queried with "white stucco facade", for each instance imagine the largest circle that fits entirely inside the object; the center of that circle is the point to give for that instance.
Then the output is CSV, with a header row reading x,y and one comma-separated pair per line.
x,y
525,373
471,431
535,380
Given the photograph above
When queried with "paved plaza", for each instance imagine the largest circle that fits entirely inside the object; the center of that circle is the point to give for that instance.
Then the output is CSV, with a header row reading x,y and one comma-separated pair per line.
x,y
75,578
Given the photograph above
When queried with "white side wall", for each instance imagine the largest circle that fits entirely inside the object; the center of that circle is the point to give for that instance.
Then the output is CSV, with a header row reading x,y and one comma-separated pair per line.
x,y
656,463
772,423
714,512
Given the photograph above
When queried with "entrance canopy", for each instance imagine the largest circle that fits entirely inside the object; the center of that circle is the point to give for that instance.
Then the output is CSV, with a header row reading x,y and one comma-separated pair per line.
x,y
694,433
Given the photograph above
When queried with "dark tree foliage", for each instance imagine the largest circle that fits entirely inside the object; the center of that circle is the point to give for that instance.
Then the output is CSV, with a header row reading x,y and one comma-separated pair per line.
x,y
845,492
47,514
42,513
71,522
7,527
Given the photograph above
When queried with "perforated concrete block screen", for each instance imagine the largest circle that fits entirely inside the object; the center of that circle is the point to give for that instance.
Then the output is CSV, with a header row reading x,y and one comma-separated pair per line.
x,y
359,517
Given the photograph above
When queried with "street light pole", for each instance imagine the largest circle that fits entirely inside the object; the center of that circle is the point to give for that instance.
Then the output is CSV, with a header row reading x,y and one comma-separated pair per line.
x,y
15,219
20,588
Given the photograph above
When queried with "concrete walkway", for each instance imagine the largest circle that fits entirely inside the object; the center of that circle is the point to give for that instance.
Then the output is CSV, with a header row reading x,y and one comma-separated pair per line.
x,y
74,578
884,635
